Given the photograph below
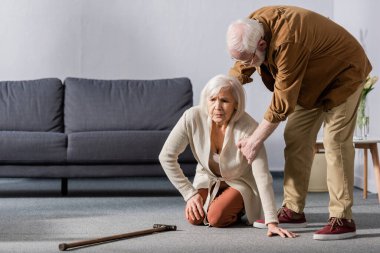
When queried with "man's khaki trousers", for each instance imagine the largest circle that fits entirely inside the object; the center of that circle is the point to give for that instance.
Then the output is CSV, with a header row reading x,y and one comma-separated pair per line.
x,y
300,135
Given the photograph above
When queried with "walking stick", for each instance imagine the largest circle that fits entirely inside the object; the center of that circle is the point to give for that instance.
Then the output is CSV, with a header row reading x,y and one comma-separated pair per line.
x,y
156,228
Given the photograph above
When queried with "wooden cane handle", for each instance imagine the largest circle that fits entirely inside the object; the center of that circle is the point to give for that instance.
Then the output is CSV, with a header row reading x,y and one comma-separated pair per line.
x,y
168,227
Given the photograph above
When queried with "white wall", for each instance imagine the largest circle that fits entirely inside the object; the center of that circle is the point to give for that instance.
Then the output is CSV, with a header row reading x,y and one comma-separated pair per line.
x,y
361,17
134,39
39,39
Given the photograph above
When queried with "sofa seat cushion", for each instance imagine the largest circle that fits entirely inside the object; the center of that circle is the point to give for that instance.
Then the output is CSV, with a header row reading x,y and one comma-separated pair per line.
x,y
34,105
118,147
118,105
18,147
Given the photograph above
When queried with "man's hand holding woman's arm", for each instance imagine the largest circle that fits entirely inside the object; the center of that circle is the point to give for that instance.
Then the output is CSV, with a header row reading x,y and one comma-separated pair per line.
x,y
251,145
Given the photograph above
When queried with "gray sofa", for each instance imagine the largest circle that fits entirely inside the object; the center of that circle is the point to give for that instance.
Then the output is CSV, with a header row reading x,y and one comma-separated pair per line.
x,y
88,127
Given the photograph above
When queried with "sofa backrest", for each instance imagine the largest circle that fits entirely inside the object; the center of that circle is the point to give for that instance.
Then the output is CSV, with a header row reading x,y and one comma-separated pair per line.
x,y
97,105
34,105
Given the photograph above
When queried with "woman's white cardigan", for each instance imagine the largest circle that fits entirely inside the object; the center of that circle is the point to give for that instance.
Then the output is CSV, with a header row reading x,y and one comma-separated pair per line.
x,y
253,182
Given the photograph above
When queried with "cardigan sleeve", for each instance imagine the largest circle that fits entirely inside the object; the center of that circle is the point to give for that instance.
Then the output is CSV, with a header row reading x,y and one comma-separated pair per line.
x,y
264,183
175,145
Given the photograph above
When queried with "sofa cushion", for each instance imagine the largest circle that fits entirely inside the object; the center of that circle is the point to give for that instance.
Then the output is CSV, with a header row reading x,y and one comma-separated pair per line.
x,y
32,147
98,105
118,147
34,105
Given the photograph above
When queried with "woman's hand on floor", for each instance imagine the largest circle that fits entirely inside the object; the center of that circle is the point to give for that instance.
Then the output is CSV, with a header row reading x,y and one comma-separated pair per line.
x,y
194,207
274,229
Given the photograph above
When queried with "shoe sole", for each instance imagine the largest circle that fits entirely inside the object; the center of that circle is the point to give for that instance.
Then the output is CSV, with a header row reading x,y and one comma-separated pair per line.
x,y
259,225
283,225
326,237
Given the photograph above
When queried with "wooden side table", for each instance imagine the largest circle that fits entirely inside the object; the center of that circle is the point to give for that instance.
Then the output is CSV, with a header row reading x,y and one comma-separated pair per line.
x,y
367,144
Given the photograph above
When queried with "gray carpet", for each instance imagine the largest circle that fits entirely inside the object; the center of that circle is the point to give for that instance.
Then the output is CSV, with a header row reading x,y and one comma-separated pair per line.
x,y
34,218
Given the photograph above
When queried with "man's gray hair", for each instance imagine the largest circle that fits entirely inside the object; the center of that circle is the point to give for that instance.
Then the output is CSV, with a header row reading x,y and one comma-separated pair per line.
x,y
243,35
213,87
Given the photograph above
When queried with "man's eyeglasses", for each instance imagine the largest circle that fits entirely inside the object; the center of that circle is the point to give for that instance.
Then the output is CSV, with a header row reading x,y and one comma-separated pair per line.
x,y
249,61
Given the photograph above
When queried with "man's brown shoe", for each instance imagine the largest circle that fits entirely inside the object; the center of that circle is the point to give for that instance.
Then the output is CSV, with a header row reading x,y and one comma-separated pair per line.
x,y
336,229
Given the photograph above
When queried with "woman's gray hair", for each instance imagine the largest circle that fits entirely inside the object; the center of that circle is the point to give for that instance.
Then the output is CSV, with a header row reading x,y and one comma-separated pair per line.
x,y
213,87
243,35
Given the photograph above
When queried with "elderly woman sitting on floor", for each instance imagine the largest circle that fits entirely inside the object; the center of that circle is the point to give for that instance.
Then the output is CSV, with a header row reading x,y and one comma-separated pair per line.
x,y
225,186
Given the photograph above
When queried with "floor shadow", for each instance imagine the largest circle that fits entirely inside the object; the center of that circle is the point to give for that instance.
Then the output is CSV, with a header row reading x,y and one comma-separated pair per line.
x,y
90,193
124,193
108,187
367,235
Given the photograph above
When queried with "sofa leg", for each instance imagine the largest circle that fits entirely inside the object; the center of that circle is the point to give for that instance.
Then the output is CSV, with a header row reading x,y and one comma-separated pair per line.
x,y
64,184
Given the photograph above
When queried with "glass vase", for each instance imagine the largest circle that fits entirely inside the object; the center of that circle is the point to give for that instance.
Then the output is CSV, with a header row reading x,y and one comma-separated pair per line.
x,y
362,120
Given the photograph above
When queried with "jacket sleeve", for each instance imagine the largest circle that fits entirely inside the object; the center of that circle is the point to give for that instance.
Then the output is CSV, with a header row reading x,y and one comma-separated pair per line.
x,y
291,61
264,184
242,73
173,147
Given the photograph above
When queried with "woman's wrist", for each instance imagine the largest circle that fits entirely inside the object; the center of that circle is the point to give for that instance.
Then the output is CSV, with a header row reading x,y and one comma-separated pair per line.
x,y
272,224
